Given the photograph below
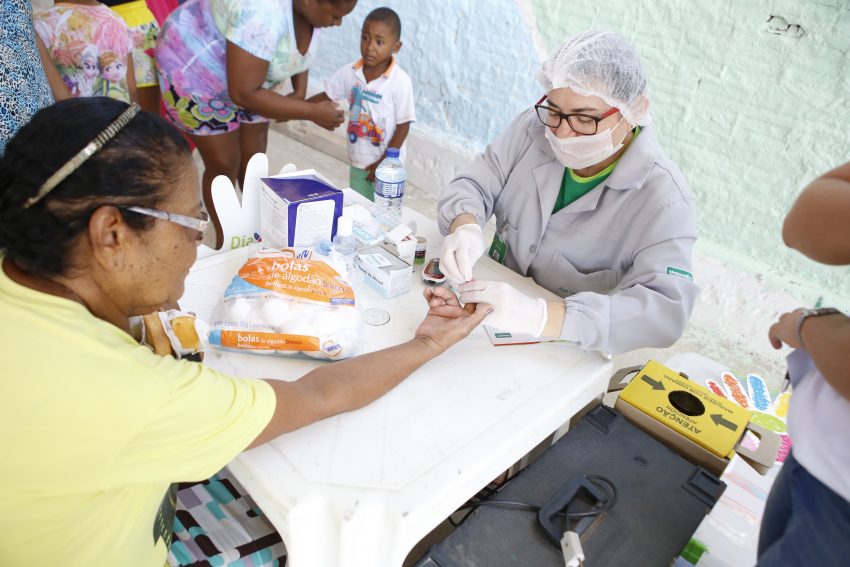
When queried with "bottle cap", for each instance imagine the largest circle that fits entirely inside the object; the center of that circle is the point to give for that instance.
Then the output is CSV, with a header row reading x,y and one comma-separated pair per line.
x,y
392,152
344,226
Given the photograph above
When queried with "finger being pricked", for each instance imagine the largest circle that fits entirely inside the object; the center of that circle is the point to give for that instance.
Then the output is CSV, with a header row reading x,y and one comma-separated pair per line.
x,y
443,303
437,296
474,291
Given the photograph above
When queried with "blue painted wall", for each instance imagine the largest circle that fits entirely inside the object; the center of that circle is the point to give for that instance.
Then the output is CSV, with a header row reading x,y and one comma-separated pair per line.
x,y
472,62
749,97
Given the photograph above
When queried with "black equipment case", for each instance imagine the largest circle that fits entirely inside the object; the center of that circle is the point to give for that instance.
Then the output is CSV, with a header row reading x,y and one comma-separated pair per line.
x,y
658,501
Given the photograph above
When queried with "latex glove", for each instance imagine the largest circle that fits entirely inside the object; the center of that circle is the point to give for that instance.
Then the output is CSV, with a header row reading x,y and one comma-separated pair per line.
x,y
513,311
754,396
461,249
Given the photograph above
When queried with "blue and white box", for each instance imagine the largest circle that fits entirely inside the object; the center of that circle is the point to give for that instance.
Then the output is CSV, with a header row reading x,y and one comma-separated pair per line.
x,y
383,271
298,209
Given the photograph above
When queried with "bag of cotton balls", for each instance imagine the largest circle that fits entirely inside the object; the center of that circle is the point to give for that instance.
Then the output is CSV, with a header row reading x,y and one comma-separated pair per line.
x,y
283,302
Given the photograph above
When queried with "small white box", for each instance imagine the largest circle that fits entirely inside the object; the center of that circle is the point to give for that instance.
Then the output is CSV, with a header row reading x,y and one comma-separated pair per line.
x,y
384,272
401,242
298,209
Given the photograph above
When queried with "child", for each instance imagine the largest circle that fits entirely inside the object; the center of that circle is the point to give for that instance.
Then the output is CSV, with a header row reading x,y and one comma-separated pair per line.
x,y
90,47
143,32
380,95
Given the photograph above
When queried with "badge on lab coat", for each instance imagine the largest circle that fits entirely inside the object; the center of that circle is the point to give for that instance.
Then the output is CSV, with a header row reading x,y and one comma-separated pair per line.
x,y
498,250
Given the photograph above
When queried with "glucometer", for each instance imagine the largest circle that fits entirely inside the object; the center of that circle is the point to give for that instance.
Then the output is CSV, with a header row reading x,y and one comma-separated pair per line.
x,y
432,275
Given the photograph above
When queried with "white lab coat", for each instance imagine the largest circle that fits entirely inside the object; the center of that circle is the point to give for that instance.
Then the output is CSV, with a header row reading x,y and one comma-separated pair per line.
x,y
620,255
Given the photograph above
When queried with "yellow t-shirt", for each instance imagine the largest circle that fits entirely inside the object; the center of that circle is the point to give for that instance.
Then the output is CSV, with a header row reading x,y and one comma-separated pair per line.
x,y
94,430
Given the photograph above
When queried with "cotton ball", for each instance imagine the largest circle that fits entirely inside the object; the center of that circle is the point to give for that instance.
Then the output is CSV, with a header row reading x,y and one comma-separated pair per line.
x,y
326,322
239,309
300,325
349,339
275,311
354,319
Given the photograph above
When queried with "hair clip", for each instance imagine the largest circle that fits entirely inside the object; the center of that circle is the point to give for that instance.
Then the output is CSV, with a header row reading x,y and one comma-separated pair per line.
x,y
88,151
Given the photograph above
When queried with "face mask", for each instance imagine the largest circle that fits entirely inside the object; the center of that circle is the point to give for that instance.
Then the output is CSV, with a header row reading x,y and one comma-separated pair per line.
x,y
579,152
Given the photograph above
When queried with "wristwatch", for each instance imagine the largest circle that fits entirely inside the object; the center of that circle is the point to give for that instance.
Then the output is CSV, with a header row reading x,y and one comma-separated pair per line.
x,y
811,313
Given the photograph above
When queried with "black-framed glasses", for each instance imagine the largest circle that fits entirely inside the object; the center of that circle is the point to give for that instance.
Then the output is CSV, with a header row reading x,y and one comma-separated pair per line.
x,y
198,224
582,124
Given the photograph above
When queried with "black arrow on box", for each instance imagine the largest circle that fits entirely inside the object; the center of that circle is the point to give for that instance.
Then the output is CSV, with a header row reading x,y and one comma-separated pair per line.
x,y
721,421
656,384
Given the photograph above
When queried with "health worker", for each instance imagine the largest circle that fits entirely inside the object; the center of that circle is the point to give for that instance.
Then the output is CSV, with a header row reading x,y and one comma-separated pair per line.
x,y
586,203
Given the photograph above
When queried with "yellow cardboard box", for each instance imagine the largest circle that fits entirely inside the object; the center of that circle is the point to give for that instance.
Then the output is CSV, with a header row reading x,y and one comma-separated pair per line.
x,y
692,420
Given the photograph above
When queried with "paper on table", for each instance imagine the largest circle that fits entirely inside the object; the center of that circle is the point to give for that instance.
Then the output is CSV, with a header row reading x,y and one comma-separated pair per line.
x,y
503,338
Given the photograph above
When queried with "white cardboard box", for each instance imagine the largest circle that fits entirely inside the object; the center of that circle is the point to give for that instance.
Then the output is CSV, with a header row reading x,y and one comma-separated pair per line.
x,y
384,272
298,209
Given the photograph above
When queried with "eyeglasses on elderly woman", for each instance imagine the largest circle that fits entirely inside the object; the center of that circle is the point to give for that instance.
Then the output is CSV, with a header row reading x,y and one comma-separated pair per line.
x,y
197,224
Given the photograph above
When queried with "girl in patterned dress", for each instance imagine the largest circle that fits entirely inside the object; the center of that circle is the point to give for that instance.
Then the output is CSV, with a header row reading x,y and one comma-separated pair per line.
x,y
82,38
143,32
221,64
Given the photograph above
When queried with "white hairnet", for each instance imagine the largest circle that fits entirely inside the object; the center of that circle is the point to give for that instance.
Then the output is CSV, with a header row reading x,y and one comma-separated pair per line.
x,y
603,64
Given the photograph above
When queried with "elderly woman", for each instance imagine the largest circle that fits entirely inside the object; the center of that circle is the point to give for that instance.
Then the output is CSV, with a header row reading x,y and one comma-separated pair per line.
x,y
96,229
586,203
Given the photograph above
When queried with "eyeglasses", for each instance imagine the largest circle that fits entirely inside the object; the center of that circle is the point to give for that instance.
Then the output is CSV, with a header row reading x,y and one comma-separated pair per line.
x,y
198,224
582,124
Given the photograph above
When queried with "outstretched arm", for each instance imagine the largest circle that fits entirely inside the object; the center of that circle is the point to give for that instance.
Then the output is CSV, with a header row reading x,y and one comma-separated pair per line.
x,y
245,77
351,384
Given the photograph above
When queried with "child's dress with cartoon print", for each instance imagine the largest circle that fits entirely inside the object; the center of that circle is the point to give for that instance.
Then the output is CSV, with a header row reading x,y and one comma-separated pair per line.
x,y
89,45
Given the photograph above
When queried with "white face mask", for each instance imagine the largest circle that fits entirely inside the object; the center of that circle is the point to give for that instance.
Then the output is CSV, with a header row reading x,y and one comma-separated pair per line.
x,y
579,152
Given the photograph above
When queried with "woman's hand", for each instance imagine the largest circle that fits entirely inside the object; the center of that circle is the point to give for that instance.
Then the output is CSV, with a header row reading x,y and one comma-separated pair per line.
x,y
461,249
514,311
327,115
785,330
447,322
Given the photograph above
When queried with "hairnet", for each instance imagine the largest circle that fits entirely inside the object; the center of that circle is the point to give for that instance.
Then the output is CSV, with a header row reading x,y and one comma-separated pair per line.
x,y
603,64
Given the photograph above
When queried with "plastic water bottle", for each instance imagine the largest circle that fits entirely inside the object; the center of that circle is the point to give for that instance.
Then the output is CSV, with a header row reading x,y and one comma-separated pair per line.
x,y
389,183
346,245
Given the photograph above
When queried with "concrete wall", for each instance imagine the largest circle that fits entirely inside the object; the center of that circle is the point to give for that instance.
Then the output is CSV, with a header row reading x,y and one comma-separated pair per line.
x,y
749,97
743,92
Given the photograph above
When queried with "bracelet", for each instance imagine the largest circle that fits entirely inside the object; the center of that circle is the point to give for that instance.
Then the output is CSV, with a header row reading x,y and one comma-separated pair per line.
x,y
811,313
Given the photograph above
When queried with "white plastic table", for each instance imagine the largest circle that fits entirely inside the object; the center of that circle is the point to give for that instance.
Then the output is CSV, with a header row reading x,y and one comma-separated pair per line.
x,y
364,487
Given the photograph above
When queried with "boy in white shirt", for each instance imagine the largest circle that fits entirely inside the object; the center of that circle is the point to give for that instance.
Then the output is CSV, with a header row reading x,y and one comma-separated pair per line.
x,y
380,96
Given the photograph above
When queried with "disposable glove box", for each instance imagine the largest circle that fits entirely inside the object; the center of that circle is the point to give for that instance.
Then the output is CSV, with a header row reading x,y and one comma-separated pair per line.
x,y
298,210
